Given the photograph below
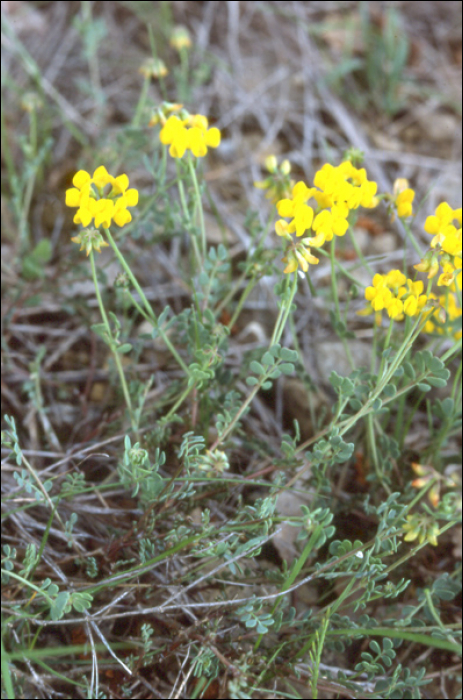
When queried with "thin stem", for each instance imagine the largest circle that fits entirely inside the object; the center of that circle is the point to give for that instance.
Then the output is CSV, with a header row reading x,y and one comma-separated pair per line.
x,y
141,102
145,301
112,343
334,286
198,202
249,287
277,333
188,217
284,313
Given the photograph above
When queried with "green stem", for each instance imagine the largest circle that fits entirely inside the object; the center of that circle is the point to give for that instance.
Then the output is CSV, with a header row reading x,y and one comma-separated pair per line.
x,y
111,342
187,216
386,345
296,569
284,313
249,287
334,286
141,102
198,202
277,333
231,293
145,301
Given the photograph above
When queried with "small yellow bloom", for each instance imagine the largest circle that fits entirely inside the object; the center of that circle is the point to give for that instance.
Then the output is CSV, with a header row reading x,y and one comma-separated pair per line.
x,y
299,255
395,309
153,68
404,203
180,38
31,102
271,164
281,229
191,133
447,276
395,279
403,197
422,527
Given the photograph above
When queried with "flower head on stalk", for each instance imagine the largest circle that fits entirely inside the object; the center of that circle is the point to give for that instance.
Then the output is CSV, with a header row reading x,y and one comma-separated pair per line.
x,y
446,245
336,191
298,253
185,131
445,318
153,68
180,38
422,527
101,198
395,294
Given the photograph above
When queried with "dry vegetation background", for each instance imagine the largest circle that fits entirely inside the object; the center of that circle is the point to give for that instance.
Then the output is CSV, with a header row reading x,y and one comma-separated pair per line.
x,y
276,77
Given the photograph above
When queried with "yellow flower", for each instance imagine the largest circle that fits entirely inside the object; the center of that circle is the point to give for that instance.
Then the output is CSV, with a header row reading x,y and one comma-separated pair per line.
x,y
180,38
441,227
403,197
396,294
378,295
281,229
173,133
153,68
297,209
101,178
299,256
425,475
395,309
452,243
191,133
336,188
88,196
421,527
442,217
447,276
404,203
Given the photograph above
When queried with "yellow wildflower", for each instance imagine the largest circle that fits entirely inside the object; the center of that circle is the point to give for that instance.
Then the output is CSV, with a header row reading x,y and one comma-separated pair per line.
x,y
153,68
422,527
93,202
190,133
180,38
403,198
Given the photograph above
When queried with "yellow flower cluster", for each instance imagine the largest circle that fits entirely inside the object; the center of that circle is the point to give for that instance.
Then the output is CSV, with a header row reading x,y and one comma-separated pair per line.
x,y
191,132
401,297
396,294
421,526
336,191
101,198
446,246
